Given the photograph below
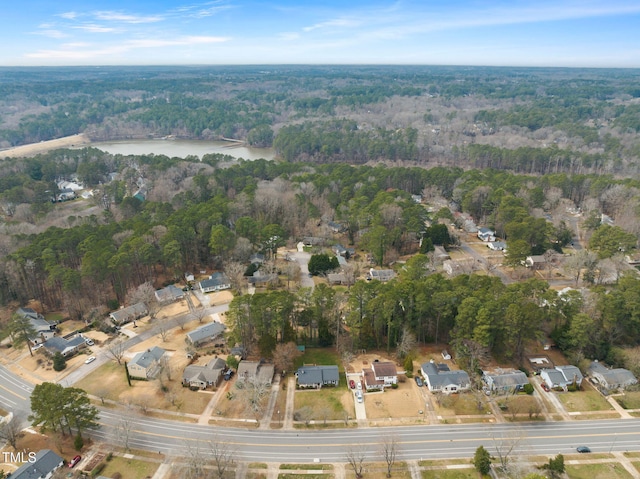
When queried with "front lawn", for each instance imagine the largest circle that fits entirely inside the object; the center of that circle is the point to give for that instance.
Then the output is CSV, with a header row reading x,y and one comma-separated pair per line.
x,y
582,401
629,400
328,403
597,471
129,468
319,356
468,473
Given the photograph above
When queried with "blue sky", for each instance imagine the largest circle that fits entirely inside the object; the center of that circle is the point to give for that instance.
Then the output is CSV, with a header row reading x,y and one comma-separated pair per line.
x,y
591,33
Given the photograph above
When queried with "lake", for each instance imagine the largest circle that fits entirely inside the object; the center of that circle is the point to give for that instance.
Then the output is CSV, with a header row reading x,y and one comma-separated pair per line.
x,y
182,148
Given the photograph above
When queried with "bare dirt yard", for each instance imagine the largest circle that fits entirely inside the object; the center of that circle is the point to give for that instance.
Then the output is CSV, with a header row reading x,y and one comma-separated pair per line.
x,y
44,146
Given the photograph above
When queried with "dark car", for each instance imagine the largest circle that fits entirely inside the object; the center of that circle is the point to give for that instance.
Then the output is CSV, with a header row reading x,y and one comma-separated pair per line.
x,y
74,461
583,449
352,384
228,375
419,381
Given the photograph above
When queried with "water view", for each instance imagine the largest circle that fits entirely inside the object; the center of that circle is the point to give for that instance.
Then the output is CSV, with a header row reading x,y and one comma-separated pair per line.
x,y
183,148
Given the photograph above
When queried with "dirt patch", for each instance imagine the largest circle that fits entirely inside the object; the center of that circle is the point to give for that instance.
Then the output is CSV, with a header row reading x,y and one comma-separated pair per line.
x,y
220,297
44,146
173,309
406,401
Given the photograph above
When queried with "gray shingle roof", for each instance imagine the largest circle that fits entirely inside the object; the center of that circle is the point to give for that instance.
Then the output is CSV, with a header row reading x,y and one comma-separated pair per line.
x,y
317,375
507,379
131,312
208,373
146,358
46,461
206,332
60,344
442,376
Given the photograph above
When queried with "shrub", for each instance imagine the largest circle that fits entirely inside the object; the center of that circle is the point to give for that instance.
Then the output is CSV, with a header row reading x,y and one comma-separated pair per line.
x,y
98,469
116,475
528,388
109,456
59,362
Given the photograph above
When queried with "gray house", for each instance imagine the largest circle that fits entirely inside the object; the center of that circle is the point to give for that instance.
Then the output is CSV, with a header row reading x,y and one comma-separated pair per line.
x,y
147,364
130,313
216,282
561,376
45,464
317,376
504,380
201,377
618,378
205,333
255,370
66,347
44,329
169,294
441,379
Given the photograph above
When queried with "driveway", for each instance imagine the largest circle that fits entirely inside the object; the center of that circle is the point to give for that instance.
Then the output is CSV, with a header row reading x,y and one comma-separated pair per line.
x,y
302,258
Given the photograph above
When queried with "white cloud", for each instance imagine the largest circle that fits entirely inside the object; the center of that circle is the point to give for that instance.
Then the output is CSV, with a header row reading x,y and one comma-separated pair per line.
x,y
51,33
93,28
123,17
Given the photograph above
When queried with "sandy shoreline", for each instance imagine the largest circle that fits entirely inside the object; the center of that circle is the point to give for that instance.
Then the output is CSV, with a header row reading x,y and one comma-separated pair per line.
x,y
44,146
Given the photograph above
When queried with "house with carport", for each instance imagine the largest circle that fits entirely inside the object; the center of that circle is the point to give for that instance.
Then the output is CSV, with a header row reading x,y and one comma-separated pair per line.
x,y
201,377
312,376
616,378
439,378
504,381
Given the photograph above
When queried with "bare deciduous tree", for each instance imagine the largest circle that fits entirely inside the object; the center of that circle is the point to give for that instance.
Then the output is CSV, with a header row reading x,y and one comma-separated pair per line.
x,y
122,431
505,446
116,350
10,431
254,393
163,331
389,450
355,457
145,293
284,356
222,456
407,342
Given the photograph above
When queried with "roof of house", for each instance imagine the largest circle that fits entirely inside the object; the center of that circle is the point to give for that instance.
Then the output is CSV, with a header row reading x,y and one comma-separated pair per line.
x,y
536,258
485,231
506,378
260,370
260,277
135,310
148,357
40,324
61,344
46,461
208,373
441,375
570,372
216,279
555,376
317,374
382,274
613,376
384,368
206,331
169,293
256,258
29,313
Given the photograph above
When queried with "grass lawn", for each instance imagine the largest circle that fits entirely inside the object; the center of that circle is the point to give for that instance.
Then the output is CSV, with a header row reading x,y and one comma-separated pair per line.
x,y
589,400
319,356
452,474
129,468
460,405
327,403
597,471
308,467
629,400
520,407
304,476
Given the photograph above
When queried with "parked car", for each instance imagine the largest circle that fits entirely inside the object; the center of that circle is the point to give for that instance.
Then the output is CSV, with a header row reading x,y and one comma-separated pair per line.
x,y
74,461
359,396
545,387
90,359
89,342
359,386
352,384
583,449
228,375
419,381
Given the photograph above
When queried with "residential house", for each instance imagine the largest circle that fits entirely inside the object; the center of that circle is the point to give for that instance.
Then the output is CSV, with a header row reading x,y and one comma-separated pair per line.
x,y
45,463
169,294
130,313
256,258
440,253
336,278
201,377
317,376
617,378
381,274
216,282
66,347
205,333
497,246
561,376
504,380
262,278
486,234
335,227
313,241
439,378
44,329
147,364
255,370
65,194
342,261
381,374
417,199
536,262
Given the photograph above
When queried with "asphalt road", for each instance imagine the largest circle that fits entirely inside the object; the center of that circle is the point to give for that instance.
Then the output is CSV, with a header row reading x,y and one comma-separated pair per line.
x,y
415,442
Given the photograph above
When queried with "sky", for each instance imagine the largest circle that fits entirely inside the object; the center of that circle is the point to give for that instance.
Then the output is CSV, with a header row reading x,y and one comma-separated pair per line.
x,y
563,33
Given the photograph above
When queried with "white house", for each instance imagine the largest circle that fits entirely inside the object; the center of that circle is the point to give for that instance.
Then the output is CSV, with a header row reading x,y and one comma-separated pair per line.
x,y
147,364
486,234
382,374
561,376
440,378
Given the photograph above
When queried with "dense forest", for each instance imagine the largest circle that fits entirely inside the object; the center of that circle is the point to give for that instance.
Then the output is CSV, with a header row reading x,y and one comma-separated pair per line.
x,y
544,157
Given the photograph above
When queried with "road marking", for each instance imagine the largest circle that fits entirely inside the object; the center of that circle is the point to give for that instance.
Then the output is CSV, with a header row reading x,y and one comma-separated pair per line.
x,y
9,390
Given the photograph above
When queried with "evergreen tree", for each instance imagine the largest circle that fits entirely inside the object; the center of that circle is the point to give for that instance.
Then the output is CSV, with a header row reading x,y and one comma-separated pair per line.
x,y
482,460
59,361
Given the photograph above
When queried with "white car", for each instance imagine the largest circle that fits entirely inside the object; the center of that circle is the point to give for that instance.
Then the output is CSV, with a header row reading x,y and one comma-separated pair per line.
x,y
89,342
90,359
359,396
359,386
